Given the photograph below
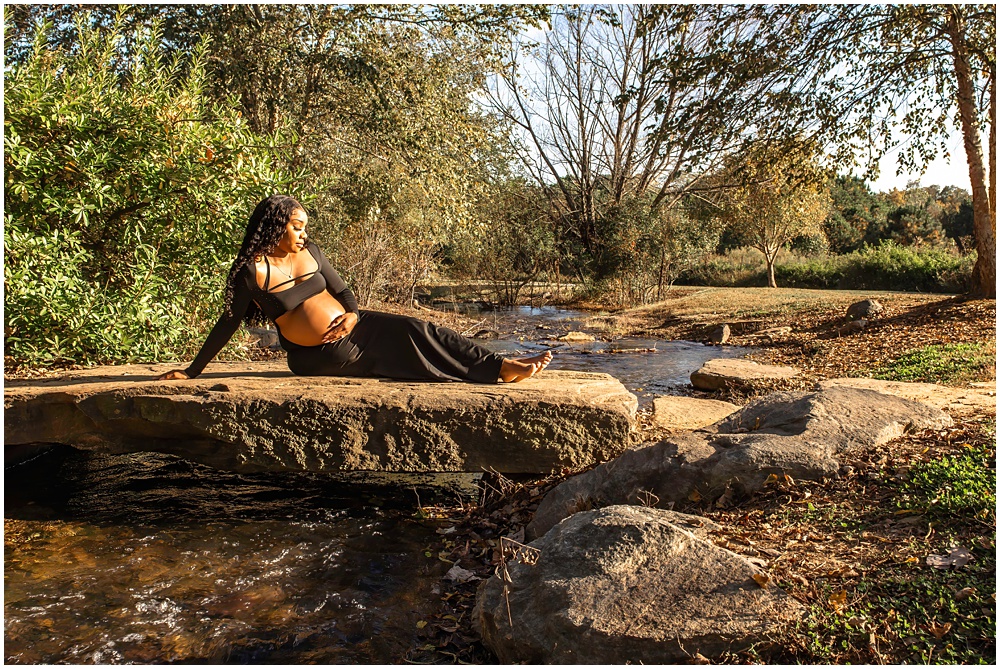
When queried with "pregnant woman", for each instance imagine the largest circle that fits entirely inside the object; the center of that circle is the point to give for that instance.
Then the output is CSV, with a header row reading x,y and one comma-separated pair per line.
x,y
279,274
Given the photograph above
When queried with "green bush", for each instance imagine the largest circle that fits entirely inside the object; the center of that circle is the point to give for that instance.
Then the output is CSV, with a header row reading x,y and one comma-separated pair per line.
x,y
125,198
887,266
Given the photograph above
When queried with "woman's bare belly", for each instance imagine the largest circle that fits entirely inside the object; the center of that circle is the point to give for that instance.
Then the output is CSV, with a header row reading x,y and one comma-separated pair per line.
x,y
307,323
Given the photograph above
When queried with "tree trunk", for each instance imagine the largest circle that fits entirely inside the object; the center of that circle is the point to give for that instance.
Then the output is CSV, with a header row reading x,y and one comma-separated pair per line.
x,y
984,274
770,258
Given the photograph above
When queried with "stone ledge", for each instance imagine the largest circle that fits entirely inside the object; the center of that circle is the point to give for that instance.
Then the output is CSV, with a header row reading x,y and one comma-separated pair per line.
x,y
258,417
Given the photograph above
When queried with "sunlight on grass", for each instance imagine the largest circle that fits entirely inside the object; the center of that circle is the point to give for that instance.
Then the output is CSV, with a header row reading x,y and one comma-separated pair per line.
x,y
947,363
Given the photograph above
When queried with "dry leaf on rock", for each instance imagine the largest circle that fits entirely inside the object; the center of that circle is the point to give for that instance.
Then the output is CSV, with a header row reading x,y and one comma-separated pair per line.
x,y
762,579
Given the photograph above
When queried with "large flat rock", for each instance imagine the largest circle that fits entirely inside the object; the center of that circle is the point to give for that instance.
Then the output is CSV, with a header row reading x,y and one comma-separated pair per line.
x,y
259,416
734,372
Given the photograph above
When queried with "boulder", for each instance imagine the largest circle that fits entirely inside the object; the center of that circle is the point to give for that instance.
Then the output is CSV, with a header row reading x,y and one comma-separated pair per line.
x,y
720,335
258,416
628,585
802,434
688,413
942,397
865,309
722,373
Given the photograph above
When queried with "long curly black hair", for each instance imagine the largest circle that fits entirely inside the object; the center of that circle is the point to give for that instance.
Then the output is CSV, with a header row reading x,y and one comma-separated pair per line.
x,y
264,229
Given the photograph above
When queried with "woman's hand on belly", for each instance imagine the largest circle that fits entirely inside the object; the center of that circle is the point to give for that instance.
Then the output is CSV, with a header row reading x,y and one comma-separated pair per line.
x,y
309,323
340,327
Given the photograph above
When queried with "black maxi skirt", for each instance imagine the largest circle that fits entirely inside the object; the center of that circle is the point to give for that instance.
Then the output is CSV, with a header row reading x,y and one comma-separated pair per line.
x,y
397,347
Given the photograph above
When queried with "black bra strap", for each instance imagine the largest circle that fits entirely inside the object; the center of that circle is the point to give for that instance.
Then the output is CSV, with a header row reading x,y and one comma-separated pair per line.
x,y
270,290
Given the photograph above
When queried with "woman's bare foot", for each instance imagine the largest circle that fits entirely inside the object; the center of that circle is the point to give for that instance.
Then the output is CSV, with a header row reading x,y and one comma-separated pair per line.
x,y
512,371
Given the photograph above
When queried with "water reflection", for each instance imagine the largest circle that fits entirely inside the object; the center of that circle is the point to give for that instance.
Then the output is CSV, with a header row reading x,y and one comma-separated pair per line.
x,y
147,558
647,367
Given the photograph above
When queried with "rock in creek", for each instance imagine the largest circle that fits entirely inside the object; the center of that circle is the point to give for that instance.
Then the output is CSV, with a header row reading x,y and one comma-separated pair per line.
x,y
631,585
258,416
689,413
732,372
798,433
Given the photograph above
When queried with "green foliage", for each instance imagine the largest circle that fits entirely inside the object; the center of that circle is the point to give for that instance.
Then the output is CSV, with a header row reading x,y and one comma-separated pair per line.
x,y
854,209
908,226
940,363
955,485
512,242
887,266
125,198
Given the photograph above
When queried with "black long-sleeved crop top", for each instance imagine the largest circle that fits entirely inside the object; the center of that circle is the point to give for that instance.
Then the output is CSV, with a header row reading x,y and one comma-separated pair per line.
x,y
272,304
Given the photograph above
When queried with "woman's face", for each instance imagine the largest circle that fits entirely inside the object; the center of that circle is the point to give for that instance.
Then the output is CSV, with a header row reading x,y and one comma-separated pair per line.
x,y
294,239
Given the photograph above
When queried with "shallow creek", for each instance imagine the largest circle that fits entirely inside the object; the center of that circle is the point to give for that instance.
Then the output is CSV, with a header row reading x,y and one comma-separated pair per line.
x,y
147,558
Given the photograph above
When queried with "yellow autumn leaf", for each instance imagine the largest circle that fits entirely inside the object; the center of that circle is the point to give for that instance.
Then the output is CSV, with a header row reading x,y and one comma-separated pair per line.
x,y
762,579
838,599
421,624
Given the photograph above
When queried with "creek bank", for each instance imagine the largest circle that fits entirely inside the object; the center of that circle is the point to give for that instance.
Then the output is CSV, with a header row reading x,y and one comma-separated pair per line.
x,y
260,417
801,434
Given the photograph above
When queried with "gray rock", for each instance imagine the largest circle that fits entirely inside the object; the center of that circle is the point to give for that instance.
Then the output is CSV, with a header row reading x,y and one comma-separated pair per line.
x,y
265,338
796,433
720,335
688,413
853,327
865,309
722,373
258,416
628,585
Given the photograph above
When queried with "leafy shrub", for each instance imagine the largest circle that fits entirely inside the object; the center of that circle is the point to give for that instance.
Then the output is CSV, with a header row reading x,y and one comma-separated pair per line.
x,y
126,194
887,266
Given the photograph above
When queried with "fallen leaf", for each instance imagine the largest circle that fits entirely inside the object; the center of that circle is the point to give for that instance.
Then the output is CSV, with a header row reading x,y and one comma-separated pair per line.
x,y
964,594
421,624
957,557
762,579
700,659
838,599
695,496
772,478
460,575
938,630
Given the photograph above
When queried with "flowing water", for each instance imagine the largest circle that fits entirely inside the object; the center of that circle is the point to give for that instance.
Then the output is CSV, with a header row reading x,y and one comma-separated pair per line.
x,y
146,558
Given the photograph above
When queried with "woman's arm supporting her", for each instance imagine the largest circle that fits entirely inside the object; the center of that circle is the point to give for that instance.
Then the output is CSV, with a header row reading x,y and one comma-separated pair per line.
x,y
220,335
